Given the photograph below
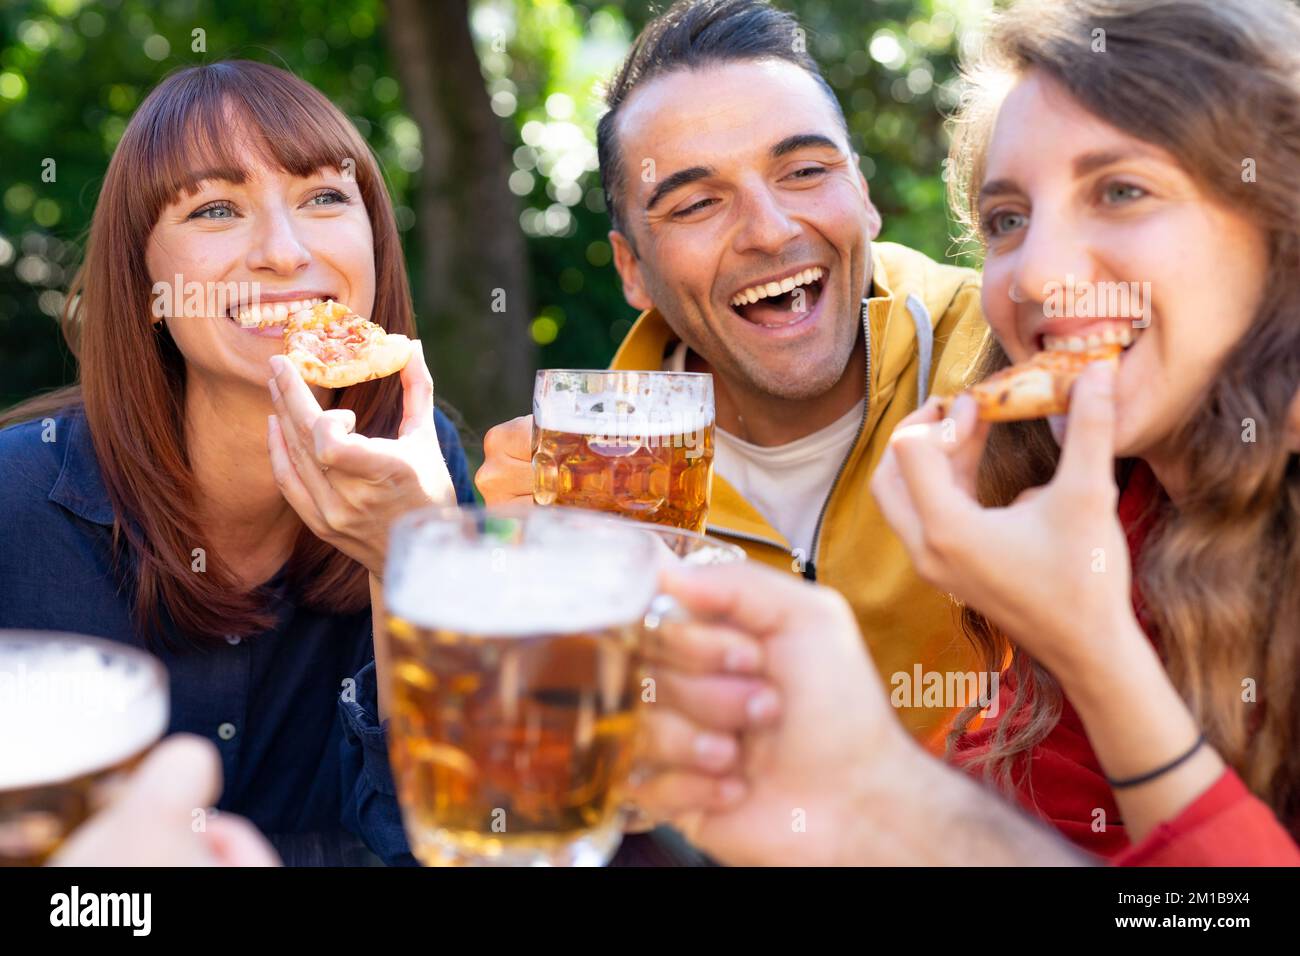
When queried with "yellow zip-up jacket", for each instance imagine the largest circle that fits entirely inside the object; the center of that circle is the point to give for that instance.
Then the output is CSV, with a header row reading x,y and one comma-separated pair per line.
x,y
924,320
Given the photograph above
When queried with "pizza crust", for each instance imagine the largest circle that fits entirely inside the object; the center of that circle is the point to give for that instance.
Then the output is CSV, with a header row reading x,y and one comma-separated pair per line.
x,y
386,356
1038,388
1020,393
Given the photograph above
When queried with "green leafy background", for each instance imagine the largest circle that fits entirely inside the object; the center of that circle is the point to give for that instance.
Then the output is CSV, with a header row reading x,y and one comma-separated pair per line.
x,y
71,73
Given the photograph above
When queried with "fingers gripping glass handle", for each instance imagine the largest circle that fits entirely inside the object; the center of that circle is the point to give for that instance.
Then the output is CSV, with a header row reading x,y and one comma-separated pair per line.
x,y
662,610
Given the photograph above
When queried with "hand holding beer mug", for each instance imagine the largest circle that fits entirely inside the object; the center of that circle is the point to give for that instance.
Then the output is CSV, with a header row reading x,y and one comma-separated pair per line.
x,y
638,444
76,714
513,641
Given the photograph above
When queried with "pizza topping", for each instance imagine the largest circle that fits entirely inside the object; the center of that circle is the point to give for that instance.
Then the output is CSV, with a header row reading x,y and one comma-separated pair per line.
x,y
334,347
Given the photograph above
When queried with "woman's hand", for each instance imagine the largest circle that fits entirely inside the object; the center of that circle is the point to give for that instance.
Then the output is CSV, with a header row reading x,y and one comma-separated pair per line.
x,y
348,488
1052,569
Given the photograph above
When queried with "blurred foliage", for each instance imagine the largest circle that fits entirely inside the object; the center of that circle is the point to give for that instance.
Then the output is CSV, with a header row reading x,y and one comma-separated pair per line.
x,y
72,72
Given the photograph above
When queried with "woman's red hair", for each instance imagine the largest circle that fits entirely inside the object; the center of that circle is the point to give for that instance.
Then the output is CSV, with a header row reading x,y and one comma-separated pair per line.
x,y
131,376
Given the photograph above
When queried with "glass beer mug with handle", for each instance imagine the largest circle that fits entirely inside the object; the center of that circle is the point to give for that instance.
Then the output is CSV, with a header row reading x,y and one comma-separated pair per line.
x,y
514,671
76,714
638,444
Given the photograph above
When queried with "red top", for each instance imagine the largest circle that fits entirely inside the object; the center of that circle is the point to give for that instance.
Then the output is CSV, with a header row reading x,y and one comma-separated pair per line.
x,y
1225,826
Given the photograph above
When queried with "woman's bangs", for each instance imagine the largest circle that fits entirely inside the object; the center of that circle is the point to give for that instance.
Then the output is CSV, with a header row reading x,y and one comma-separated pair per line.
x,y
218,122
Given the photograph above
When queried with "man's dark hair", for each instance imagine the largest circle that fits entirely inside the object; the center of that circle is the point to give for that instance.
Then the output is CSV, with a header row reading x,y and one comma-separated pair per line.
x,y
689,35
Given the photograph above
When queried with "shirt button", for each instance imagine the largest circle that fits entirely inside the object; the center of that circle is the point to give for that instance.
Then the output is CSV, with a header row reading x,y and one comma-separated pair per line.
x,y
226,731
233,639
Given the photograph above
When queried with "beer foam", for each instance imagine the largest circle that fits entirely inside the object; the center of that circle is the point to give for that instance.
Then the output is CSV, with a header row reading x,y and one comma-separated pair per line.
x,y
67,708
523,590
614,414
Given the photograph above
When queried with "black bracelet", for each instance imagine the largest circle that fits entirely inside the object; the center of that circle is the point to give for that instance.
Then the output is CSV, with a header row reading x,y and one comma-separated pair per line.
x,y
1159,771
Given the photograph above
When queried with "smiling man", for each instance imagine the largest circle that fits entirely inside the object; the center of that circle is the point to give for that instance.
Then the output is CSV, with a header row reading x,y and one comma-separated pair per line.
x,y
743,229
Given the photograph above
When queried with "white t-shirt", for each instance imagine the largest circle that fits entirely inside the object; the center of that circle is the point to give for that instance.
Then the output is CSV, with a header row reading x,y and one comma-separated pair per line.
x,y
787,484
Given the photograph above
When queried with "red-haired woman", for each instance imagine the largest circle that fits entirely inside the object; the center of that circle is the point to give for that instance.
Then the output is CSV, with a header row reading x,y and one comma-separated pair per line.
x,y
1144,577
191,493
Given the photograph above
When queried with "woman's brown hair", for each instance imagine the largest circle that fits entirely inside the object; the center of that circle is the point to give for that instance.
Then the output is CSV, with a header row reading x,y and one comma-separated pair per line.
x,y
1216,83
131,376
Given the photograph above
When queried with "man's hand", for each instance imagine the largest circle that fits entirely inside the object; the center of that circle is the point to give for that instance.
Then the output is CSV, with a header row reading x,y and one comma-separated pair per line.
x,y
781,664
507,472
163,817
771,741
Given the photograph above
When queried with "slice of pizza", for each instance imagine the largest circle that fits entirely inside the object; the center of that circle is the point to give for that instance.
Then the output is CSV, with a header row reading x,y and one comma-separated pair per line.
x,y
334,347
1036,388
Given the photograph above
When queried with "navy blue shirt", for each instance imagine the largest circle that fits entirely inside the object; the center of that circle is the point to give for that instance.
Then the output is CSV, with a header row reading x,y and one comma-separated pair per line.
x,y
370,807
270,703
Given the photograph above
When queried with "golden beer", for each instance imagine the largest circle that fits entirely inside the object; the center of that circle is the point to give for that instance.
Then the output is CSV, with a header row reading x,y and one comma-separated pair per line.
x,y
635,444
79,714
637,477
514,663
34,821
511,746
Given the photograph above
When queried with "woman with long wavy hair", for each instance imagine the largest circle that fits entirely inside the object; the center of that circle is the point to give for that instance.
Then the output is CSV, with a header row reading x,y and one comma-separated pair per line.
x,y
1154,146
1135,589
191,493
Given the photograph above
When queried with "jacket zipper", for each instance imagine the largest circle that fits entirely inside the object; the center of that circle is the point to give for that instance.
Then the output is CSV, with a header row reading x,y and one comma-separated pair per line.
x,y
810,569
742,536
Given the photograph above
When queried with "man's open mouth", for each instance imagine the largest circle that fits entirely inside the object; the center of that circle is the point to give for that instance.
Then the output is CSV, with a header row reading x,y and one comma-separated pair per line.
x,y
781,301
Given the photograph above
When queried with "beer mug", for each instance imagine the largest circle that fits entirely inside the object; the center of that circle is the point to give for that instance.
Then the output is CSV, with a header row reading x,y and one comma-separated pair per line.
x,y
76,714
514,672
638,444
693,548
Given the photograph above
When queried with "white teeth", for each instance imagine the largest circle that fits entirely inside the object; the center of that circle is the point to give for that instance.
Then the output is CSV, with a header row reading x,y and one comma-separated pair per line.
x,y
769,289
1064,343
272,313
1122,335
